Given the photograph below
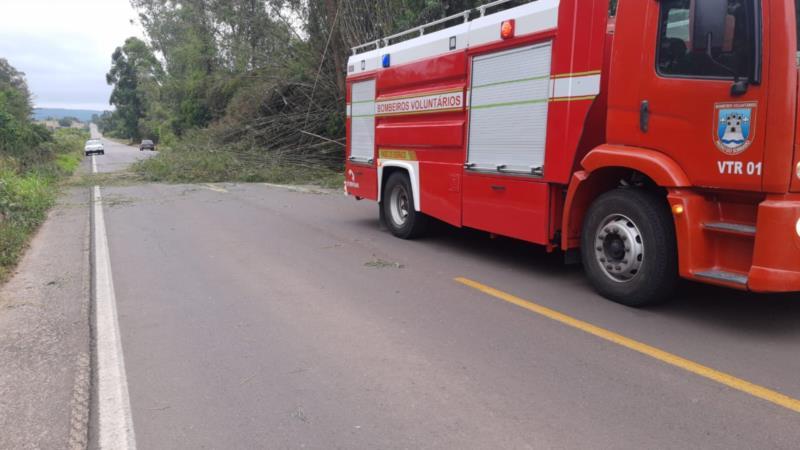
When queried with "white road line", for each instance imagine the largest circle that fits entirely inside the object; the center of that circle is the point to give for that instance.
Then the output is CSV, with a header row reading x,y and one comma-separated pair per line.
x,y
94,164
115,422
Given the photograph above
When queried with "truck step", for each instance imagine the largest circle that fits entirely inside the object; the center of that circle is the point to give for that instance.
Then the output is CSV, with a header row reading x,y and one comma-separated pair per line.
x,y
726,277
731,228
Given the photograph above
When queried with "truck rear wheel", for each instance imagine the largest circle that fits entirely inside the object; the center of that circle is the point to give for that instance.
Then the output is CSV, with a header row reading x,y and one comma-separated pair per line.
x,y
399,212
628,247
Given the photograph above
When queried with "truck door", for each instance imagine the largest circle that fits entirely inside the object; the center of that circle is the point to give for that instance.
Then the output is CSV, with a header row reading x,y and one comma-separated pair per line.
x,y
690,106
361,174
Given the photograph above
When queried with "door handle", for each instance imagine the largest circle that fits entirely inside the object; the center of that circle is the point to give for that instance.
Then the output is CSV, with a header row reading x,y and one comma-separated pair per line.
x,y
644,116
498,188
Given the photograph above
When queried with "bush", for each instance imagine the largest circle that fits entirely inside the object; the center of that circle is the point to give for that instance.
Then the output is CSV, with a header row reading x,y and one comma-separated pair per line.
x,y
32,160
28,188
69,140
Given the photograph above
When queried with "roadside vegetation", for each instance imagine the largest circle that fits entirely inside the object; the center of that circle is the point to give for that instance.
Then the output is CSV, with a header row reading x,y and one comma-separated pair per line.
x,y
33,161
197,158
248,90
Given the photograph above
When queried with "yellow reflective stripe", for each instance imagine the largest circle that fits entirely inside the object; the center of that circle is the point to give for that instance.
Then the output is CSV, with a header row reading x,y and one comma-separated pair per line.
x,y
402,155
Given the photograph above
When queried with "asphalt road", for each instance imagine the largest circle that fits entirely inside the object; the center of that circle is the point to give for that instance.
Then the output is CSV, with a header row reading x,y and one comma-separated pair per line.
x,y
117,156
259,317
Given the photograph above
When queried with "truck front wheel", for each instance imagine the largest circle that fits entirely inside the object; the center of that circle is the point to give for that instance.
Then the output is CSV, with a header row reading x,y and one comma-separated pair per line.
x,y
401,217
628,247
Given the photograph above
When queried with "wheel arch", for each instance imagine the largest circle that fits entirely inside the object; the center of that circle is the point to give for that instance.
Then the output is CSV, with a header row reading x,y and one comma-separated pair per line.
x,y
663,170
604,168
411,169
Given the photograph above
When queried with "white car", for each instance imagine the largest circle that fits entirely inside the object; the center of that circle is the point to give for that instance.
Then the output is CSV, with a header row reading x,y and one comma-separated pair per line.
x,y
93,147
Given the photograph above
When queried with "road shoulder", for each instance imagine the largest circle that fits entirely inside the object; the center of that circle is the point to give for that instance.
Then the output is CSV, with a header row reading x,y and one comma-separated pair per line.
x,y
45,334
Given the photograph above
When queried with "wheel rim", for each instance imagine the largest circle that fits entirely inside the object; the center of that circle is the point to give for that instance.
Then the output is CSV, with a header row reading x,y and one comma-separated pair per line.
x,y
619,248
399,205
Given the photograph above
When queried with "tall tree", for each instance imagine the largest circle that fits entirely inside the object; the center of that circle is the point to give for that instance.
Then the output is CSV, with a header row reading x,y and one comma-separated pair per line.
x,y
208,46
16,96
20,139
135,74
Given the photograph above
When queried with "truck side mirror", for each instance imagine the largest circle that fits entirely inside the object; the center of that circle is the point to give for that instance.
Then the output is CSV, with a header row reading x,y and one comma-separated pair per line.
x,y
709,19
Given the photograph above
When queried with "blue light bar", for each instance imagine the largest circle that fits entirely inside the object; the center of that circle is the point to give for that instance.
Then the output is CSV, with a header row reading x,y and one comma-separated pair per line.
x,y
387,61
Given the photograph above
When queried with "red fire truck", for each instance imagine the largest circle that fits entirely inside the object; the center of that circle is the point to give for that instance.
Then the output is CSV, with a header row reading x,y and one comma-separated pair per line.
x,y
658,144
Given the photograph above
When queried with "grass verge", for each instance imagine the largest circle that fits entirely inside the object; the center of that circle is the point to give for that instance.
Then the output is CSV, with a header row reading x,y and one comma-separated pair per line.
x,y
24,202
67,163
27,195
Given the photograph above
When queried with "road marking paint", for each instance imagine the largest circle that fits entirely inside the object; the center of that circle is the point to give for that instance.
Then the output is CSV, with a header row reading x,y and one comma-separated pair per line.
x,y
216,188
94,164
731,381
115,422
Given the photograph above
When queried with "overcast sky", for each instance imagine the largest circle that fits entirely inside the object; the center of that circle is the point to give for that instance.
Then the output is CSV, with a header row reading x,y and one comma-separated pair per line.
x,y
64,47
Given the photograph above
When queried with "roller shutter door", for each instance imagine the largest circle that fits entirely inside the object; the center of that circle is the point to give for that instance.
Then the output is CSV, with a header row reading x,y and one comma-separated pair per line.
x,y
508,109
362,121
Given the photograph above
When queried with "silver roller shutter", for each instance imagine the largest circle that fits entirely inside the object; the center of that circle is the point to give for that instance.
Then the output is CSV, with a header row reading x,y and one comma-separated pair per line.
x,y
508,109
362,121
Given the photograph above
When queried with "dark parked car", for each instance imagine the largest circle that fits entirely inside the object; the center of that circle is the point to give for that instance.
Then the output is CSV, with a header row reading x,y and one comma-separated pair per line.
x,y
147,145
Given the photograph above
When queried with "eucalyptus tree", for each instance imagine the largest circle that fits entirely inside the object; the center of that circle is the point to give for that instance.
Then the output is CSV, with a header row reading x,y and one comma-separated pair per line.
x,y
136,76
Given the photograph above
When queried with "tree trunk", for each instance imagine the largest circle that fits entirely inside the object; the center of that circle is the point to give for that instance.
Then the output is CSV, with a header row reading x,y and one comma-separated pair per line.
x,y
337,48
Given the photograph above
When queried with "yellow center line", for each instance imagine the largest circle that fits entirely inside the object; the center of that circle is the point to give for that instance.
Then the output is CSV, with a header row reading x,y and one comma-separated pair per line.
x,y
674,360
216,188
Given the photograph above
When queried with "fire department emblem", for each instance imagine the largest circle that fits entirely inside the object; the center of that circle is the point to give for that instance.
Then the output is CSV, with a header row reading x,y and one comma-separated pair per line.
x,y
734,128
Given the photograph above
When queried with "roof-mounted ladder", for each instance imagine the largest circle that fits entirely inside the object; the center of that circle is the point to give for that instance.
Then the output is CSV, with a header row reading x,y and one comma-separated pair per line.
x,y
465,15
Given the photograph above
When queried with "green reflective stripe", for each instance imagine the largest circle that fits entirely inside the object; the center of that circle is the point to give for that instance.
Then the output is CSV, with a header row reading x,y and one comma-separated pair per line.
x,y
363,115
500,83
362,102
499,105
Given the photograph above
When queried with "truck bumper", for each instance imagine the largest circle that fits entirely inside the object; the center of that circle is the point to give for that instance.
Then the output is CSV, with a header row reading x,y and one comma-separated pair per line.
x,y
776,256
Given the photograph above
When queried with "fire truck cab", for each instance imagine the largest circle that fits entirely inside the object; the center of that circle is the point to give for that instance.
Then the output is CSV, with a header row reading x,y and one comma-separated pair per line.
x,y
660,143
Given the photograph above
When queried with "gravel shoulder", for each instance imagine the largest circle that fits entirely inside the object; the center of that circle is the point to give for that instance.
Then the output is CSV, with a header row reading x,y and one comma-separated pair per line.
x,y
45,335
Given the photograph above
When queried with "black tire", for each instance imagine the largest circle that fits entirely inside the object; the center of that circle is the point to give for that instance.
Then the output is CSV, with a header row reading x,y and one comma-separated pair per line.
x,y
644,273
399,212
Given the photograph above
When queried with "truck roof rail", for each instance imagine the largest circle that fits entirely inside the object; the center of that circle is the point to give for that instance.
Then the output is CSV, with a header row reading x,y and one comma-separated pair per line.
x,y
465,15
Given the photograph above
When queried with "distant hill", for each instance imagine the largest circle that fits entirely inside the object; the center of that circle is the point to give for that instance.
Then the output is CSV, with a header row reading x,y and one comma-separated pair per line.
x,y
84,115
